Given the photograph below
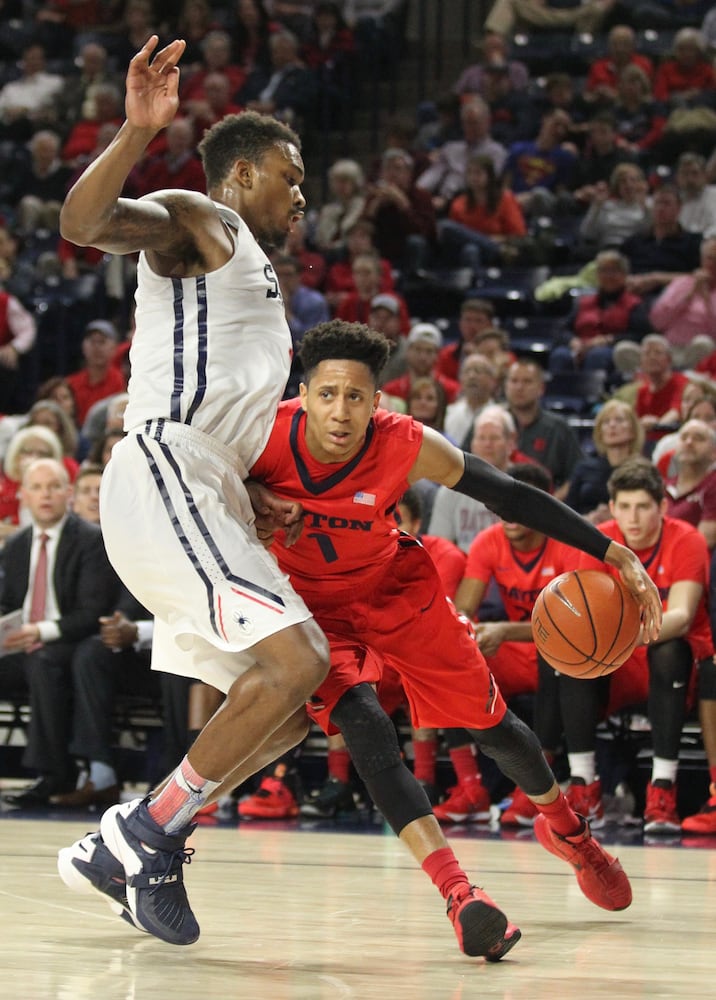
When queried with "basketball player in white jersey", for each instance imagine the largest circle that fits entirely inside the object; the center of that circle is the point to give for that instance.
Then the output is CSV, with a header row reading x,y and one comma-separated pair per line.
x,y
209,359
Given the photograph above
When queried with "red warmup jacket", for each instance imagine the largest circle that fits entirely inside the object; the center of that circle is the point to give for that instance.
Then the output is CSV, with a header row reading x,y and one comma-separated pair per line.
x,y
594,320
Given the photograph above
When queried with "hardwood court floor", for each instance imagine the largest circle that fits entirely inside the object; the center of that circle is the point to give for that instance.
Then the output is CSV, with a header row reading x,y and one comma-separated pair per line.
x,y
291,914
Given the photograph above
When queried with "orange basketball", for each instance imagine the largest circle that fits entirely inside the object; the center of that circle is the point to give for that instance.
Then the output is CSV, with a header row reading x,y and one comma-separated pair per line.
x,y
585,623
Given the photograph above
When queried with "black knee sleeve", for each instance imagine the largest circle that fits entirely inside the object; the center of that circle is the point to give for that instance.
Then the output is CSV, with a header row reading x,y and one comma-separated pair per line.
x,y
707,680
367,730
516,751
371,739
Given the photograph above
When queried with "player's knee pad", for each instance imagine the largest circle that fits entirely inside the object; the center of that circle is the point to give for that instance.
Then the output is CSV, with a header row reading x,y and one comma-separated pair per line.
x,y
516,751
707,679
369,733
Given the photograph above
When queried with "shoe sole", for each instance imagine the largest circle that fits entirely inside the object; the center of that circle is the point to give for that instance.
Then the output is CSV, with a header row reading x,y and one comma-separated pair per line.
x,y
481,817
512,936
79,883
658,826
483,931
522,821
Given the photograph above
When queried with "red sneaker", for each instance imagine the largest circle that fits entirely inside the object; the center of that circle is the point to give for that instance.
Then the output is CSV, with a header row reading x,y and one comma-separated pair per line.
x,y
600,876
660,815
465,804
587,801
272,800
521,812
481,927
704,821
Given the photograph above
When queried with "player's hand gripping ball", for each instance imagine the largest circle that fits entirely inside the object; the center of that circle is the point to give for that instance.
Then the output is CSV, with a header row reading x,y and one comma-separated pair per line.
x,y
586,623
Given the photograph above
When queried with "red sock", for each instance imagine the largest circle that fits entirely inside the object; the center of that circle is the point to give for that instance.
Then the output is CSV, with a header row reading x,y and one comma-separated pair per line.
x,y
561,817
339,765
465,764
425,752
444,870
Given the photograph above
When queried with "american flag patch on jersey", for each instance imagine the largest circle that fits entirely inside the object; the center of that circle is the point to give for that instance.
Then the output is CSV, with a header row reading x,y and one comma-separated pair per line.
x,y
365,498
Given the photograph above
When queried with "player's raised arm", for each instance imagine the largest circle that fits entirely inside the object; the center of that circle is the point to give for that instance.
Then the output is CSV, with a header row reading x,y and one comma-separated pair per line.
x,y
93,213
515,501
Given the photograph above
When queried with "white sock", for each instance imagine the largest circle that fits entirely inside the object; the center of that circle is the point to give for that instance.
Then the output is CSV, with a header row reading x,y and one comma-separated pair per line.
x,y
583,765
664,770
102,775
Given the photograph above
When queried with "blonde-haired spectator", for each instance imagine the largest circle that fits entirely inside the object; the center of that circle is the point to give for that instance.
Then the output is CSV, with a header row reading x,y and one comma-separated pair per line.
x,y
26,445
344,207
617,436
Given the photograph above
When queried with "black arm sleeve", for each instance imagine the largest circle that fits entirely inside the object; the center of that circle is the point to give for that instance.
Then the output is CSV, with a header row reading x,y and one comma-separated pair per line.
x,y
525,504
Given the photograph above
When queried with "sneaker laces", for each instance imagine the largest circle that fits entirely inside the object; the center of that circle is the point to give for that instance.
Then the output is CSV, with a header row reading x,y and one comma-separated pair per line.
x,y
176,860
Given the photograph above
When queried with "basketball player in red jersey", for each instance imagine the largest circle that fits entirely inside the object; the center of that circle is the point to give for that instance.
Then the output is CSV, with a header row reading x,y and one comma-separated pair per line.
x,y
349,463
676,557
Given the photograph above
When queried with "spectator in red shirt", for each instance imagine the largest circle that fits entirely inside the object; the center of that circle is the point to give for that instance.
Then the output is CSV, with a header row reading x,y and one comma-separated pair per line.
x,y
475,316
691,493
658,397
604,73
105,108
688,73
339,279
424,342
178,167
216,58
481,219
216,104
98,378
367,274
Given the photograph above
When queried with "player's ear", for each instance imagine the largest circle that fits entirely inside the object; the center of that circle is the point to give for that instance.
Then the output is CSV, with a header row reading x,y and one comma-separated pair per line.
x,y
376,400
303,393
611,507
244,173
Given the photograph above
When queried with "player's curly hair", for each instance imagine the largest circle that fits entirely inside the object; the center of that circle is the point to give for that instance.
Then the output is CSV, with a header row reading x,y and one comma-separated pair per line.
x,y
245,136
339,340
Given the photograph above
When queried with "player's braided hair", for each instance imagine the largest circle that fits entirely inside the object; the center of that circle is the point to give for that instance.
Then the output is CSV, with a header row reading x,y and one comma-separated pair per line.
x,y
245,136
339,340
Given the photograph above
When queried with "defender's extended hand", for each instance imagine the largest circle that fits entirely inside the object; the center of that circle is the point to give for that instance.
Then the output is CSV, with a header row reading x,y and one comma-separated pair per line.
x,y
153,88
274,514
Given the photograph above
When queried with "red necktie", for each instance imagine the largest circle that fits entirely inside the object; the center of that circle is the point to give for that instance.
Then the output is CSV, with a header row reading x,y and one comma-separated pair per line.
x,y
39,586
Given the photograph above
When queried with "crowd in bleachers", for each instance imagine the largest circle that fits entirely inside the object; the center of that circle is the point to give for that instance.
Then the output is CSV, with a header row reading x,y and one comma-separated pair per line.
x,y
541,236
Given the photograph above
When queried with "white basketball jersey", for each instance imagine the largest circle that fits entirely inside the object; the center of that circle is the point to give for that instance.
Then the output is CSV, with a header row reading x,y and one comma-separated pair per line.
x,y
212,351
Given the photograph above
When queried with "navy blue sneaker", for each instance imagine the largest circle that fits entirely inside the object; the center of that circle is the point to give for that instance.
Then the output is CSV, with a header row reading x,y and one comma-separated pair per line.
x,y
88,867
153,867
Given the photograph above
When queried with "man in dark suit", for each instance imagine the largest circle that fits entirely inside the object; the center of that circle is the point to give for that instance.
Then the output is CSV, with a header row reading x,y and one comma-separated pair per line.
x,y
57,572
117,661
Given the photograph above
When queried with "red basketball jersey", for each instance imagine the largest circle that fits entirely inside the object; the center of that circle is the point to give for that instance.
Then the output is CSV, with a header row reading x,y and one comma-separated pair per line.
x,y
350,530
519,575
680,553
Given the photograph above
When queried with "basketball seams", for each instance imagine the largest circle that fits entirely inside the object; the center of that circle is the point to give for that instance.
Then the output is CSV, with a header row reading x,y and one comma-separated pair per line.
x,y
579,590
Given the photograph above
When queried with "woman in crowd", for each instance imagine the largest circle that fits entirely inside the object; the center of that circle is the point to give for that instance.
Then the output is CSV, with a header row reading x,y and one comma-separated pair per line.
x,y
617,436
482,220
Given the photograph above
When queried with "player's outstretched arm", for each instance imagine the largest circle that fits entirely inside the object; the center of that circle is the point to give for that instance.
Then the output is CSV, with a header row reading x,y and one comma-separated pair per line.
x,y
515,501
93,213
